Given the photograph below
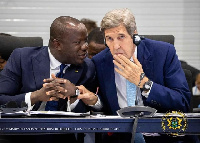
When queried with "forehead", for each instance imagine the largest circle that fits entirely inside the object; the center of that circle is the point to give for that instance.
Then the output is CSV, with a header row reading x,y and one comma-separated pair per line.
x,y
76,31
116,31
77,27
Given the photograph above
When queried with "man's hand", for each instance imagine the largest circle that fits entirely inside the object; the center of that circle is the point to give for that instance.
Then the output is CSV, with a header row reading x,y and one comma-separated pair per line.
x,y
62,87
129,70
51,90
86,96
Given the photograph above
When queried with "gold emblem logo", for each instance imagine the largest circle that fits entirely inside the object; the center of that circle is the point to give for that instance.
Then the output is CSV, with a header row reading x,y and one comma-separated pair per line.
x,y
174,123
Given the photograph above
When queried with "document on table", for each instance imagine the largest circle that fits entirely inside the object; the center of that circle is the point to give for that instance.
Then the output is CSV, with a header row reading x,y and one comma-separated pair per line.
x,y
44,113
58,113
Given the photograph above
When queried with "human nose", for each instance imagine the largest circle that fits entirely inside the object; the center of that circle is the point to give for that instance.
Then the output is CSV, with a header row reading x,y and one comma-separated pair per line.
x,y
84,46
116,45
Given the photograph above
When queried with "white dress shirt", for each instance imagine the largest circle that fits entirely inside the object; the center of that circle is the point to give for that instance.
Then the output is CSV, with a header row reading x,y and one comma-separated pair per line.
x,y
195,91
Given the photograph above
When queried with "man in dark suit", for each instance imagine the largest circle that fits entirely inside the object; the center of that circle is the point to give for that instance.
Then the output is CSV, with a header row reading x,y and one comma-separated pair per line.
x,y
30,72
152,66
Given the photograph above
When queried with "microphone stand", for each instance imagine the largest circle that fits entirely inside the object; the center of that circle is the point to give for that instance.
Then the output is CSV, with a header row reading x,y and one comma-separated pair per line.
x,y
135,125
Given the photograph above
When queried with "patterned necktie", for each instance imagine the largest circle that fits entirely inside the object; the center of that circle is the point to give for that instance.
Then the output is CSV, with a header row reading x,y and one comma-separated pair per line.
x,y
53,105
130,93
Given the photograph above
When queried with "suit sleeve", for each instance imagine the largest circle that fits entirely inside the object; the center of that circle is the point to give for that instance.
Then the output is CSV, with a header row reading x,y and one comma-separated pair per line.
x,y
10,80
173,93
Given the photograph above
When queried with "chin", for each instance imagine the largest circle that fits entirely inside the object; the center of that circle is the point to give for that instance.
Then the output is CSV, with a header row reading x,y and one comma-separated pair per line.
x,y
79,62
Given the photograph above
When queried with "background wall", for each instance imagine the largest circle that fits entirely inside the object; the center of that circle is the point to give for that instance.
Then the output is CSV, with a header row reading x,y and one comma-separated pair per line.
x,y
181,18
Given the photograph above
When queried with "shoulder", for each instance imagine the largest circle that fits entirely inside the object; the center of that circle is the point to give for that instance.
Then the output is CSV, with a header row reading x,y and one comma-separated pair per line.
x,y
158,48
88,62
98,58
157,45
28,51
88,65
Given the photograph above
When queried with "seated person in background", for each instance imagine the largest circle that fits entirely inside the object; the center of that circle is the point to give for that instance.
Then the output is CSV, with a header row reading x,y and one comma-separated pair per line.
x,y
196,88
4,56
193,70
89,24
2,62
151,68
29,74
95,42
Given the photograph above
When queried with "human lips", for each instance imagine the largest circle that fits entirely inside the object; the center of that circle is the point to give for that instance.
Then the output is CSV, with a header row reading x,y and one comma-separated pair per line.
x,y
83,55
118,53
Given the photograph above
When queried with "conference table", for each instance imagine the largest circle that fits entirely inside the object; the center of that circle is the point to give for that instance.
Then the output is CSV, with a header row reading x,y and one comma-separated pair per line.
x,y
90,124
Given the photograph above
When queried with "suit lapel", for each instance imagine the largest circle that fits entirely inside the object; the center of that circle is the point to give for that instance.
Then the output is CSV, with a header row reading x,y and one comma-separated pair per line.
x,y
109,82
41,67
145,58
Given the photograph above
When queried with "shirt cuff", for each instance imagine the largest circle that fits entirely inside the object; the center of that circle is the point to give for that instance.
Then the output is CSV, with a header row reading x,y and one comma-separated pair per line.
x,y
73,105
28,101
98,104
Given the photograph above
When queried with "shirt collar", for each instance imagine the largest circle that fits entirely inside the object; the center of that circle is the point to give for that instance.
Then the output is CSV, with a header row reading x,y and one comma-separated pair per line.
x,y
54,64
135,54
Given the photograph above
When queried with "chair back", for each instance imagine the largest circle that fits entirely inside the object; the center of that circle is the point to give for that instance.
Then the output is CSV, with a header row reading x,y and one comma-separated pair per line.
x,y
9,43
166,38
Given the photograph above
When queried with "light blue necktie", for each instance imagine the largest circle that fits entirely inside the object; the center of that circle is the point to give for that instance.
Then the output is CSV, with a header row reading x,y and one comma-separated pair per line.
x,y
131,97
130,93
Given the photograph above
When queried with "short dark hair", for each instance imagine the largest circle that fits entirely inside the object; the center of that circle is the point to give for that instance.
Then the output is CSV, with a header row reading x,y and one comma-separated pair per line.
x,y
59,26
89,24
96,35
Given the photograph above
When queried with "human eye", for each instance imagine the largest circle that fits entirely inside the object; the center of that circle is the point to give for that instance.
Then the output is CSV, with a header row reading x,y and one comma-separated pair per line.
x,y
109,39
77,42
121,37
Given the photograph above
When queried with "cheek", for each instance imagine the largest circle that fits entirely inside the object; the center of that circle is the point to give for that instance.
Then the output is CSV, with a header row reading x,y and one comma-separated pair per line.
x,y
128,51
112,50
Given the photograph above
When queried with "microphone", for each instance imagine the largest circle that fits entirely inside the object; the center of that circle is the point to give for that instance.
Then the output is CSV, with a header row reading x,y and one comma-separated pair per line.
x,y
11,104
12,107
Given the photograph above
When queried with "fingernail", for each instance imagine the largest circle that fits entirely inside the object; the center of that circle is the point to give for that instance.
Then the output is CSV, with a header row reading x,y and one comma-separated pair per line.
x,y
65,90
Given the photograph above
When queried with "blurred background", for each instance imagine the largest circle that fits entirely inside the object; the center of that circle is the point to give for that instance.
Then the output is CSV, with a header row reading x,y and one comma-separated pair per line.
x,y
181,18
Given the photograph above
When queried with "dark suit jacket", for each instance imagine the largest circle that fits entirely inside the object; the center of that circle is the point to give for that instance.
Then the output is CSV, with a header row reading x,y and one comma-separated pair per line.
x,y
26,69
161,65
